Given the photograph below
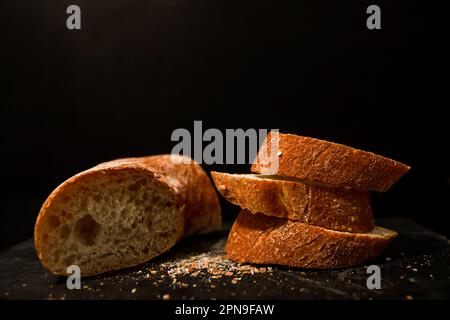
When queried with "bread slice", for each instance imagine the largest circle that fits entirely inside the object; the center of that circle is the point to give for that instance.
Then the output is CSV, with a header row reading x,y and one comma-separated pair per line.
x,y
124,212
327,162
333,208
260,239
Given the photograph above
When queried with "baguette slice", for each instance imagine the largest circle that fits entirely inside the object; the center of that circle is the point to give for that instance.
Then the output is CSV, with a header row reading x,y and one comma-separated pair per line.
x,y
333,208
260,239
124,212
327,162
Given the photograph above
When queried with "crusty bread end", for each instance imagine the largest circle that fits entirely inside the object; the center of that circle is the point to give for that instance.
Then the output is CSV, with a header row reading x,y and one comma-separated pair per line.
x,y
122,213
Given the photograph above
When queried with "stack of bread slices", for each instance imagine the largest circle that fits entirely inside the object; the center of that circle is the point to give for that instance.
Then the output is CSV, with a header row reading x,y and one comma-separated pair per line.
x,y
314,211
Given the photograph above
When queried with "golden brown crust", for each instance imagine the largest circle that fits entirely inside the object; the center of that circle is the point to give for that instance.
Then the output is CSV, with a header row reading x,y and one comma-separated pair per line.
x,y
187,183
327,162
193,188
333,208
260,239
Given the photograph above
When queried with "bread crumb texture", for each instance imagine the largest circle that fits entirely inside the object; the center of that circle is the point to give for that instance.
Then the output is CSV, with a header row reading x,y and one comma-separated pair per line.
x,y
107,221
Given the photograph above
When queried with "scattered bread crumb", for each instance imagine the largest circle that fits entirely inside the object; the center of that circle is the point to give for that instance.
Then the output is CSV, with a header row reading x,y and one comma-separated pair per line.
x,y
209,266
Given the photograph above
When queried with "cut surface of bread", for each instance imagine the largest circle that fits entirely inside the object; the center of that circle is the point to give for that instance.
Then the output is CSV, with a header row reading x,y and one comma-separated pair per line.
x,y
333,208
123,213
327,162
260,239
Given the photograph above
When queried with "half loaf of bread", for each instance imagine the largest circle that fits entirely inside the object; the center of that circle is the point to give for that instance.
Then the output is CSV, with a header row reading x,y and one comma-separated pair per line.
x,y
261,239
334,208
123,213
327,162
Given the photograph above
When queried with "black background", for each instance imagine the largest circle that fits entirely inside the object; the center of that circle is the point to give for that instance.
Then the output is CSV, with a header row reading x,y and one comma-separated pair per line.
x,y
140,69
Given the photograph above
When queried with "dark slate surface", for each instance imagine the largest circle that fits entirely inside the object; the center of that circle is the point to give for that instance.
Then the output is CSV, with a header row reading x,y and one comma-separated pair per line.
x,y
415,266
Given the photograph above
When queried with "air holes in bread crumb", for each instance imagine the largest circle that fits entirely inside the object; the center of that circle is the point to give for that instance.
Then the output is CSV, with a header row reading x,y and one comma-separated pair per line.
x,y
136,186
149,223
64,232
66,215
86,230
125,231
70,260
164,235
53,222
65,199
